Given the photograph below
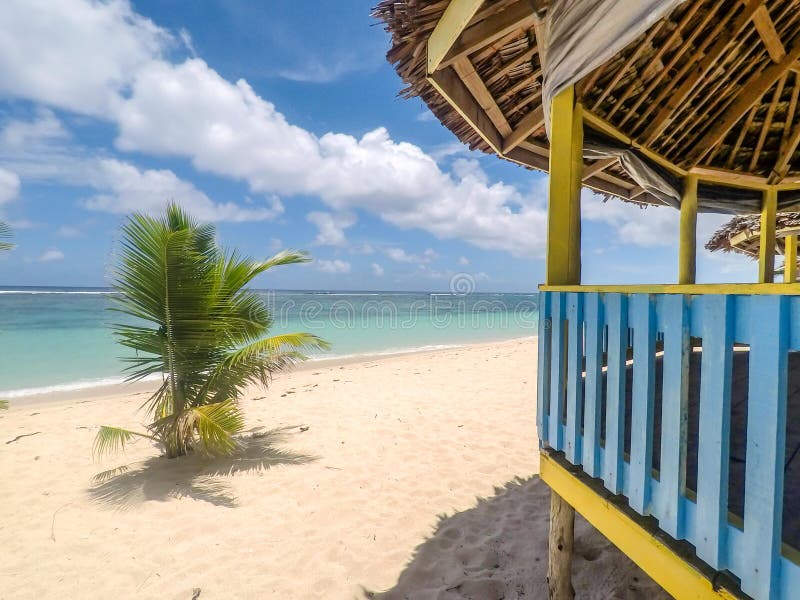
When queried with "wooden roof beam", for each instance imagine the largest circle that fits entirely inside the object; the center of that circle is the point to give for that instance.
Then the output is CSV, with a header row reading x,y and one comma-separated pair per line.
x,y
597,166
455,18
457,94
466,71
529,123
786,152
749,94
517,16
675,100
768,34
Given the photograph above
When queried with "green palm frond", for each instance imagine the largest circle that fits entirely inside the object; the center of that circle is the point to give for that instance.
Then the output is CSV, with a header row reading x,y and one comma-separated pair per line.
x,y
5,235
110,440
192,318
3,404
216,425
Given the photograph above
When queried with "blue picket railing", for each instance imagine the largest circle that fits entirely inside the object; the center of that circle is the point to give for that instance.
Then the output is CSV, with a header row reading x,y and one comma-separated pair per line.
x,y
597,389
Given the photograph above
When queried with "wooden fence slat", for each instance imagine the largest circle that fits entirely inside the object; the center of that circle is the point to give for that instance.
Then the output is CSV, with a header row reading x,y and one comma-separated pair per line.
x,y
644,377
593,313
617,319
674,415
766,438
543,373
557,373
572,448
714,429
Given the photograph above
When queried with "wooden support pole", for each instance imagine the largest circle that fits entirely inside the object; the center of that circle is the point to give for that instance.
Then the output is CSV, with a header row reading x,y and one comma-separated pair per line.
x,y
790,259
766,249
687,251
564,203
562,534
563,268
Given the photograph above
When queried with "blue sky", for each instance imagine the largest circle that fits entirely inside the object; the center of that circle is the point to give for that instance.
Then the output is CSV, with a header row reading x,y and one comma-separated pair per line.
x,y
286,132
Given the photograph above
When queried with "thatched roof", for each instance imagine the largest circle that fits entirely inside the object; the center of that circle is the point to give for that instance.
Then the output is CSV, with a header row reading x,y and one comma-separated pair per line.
x,y
742,234
712,88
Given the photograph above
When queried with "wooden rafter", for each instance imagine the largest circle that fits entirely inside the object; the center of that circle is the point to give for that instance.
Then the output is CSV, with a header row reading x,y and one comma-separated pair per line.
x,y
786,153
767,121
511,65
674,100
749,94
740,138
768,34
668,69
714,101
598,166
450,86
529,123
790,112
495,27
466,71
453,21
627,65
656,58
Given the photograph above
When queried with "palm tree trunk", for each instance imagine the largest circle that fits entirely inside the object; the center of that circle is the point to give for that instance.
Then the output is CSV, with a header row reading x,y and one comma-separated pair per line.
x,y
176,445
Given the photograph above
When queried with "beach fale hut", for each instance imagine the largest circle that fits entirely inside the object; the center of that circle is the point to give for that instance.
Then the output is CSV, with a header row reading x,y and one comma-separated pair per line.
x,y
742,235
662,410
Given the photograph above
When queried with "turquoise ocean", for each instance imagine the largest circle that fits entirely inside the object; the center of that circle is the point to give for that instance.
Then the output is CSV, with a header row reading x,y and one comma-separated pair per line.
x,y
54,339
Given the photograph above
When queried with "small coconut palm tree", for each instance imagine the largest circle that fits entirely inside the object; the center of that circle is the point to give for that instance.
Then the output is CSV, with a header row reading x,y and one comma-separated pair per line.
x,y
5,235
199,327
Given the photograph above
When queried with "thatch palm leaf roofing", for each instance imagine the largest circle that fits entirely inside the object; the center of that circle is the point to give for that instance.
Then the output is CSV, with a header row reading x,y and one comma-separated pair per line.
x,y
742,234
711,88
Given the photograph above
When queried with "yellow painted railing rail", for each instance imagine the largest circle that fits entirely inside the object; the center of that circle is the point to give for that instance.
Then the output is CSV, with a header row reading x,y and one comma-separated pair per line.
x,y
789,289
664,565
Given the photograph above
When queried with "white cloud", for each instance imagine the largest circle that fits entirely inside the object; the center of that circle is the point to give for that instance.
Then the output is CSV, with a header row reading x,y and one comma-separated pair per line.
x,y
331,227
463,261
333,266
400,255
630,223
68,231
9,186
186,39
275,244
54,254
74,54
38,150
130,189
315,70
188,110
377,270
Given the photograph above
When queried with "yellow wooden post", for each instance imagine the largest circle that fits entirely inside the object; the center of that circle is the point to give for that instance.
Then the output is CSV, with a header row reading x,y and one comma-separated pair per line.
x,y
687,251
766,249
563,268
564,204
790,259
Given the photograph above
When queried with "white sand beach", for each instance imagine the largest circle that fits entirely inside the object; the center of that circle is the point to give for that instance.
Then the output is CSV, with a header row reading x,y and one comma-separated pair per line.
x,y
410,476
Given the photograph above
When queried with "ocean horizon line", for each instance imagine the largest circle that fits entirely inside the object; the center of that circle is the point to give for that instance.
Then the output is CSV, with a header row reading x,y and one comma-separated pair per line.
x,y
90,289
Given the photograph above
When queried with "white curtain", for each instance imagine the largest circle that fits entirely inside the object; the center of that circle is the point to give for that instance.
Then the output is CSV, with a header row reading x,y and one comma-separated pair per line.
x,y
577,36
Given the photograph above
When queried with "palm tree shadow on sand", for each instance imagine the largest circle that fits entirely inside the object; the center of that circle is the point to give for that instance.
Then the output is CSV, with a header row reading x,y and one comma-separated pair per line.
x,y
194,476
498,550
